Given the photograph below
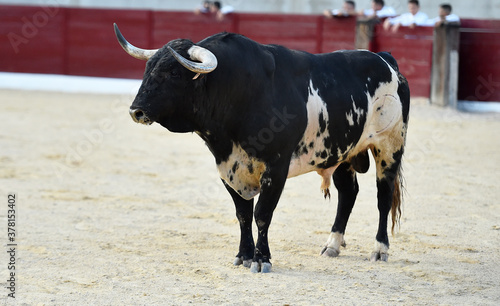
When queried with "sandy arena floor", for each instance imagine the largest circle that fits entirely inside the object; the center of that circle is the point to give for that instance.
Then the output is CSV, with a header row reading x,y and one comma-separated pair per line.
x,y
114,213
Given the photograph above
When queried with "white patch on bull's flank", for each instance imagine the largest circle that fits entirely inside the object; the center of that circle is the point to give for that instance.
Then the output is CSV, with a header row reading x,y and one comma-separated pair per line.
x,y
302,164
349,117
384,112
355,110
242,172
384,108
358,110
317,153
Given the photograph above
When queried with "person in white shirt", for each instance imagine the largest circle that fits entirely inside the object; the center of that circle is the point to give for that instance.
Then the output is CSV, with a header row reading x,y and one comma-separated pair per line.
x,y
378,10
348,9
411,19
219,10
445,16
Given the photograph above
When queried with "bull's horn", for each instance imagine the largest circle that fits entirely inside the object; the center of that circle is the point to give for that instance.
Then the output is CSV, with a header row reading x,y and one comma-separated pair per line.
x,y
208,59
142,54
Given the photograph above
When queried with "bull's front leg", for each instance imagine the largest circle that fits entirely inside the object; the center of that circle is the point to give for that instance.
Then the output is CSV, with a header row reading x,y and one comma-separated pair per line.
x,y
244,213
272,184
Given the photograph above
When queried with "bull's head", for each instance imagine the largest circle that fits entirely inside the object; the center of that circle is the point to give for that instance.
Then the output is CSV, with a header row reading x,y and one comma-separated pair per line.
x,y
165,95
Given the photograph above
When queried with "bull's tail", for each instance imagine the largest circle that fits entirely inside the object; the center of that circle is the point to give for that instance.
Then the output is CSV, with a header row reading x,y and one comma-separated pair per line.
x,y
389,59
397,199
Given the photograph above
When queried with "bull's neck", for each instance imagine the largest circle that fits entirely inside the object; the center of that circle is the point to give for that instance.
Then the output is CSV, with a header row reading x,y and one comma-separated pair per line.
x,y
211,126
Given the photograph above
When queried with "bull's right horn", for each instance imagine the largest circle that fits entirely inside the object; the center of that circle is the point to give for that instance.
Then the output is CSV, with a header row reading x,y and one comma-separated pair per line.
x,y
142,54
208,59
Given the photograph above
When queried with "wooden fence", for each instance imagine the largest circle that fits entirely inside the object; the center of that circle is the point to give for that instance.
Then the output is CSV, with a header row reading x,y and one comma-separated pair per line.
x,y
78,41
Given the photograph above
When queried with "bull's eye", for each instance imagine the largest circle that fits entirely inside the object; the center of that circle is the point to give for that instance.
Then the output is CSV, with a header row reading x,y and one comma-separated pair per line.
x,y
174,74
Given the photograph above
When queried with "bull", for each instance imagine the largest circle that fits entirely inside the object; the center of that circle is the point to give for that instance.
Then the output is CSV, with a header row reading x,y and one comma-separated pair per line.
x,y
268,113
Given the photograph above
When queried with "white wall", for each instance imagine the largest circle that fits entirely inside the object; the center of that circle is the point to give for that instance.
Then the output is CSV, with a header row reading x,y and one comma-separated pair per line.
x,y
482,9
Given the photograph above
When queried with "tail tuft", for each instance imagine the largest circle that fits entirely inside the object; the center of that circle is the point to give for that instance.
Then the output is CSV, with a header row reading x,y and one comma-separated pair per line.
x,y
397,199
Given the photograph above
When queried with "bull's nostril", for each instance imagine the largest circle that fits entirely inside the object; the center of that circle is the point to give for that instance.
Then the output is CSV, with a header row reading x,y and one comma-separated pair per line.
x,y
138,114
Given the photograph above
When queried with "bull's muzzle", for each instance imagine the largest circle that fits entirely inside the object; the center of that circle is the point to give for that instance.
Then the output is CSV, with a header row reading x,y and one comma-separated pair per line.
x,y
139,116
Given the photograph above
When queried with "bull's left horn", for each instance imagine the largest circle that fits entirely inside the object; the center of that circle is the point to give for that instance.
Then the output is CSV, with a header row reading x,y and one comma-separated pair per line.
x,y
142,54
208,59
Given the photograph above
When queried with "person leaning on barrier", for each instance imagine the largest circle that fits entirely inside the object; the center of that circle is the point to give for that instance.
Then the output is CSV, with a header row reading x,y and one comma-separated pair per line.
x,y
203,8
411,19
219,10
378,10
445,17
348,9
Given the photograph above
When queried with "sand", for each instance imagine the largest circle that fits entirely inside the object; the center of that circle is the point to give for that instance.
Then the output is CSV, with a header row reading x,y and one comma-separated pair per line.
x,y
114,213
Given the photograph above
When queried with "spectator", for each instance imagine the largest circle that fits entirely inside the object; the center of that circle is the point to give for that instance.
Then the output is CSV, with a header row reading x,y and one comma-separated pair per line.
x,y
203,8
445,16
219,10
348,9
378,10
411,19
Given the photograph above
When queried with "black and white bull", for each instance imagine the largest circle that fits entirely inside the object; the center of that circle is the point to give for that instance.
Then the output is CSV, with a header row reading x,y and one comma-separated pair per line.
x,y
268,113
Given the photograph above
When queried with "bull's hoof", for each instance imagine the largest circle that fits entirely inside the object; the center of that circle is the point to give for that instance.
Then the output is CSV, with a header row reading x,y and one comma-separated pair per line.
x,y
376,256
329,252
240,261
259,266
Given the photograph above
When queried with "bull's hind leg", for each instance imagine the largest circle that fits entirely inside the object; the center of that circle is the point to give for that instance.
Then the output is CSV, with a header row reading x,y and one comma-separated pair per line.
x,y
244,213
346,183
388,195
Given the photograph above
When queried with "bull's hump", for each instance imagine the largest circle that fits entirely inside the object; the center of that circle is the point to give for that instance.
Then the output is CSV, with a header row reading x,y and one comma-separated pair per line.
x,y
242,172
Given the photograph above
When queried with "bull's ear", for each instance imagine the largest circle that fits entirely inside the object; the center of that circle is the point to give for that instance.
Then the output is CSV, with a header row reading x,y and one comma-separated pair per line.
x,y
208,60
142,54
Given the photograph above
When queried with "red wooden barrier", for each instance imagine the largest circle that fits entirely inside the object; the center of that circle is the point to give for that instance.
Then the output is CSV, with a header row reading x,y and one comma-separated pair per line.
x,y
32,39
479,64
412,48
338,34
294,31
167,26
81,42
91,43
